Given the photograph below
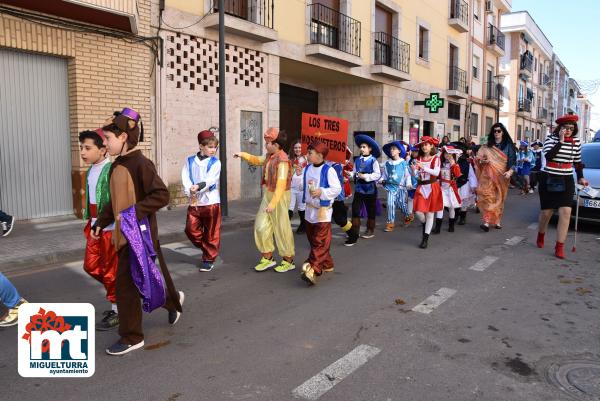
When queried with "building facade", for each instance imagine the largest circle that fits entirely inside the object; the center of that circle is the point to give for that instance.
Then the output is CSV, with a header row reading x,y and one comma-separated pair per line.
x,y
585,115
66,66
527,63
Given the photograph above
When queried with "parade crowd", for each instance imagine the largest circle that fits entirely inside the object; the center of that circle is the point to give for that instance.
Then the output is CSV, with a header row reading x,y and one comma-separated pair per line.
x,y
424,181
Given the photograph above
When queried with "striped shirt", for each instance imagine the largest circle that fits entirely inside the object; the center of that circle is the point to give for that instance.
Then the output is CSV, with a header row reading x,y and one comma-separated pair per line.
x,y
561,152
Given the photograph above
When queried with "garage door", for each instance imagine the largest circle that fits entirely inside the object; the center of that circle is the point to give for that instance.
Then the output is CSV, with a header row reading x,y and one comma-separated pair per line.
x,y
35,159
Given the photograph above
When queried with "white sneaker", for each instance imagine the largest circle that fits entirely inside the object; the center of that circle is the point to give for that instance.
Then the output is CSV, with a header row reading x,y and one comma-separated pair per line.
x,y
175,315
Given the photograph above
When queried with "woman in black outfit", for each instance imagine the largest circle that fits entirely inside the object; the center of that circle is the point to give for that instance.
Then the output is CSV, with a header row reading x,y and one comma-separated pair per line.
x,y
562,150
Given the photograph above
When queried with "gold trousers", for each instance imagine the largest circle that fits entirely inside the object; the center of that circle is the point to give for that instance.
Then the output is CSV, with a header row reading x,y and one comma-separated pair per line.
x,y
275,224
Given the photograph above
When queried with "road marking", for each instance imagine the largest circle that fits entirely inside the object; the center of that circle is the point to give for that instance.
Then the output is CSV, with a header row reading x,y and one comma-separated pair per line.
x,y
322,382
514,240
483,263
533,226
183,248
438,298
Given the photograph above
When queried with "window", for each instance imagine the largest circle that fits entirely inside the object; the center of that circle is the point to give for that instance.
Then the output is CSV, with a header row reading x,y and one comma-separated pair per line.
x,y
474,124
428,128
489,121
476,9
475,67
395,128
454,111
423,43
519,132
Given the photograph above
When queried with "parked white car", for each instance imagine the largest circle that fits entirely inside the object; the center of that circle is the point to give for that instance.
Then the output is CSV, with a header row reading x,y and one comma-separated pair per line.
x,y
589,208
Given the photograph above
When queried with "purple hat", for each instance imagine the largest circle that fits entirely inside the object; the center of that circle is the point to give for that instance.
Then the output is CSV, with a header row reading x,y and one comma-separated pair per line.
x,y
130,113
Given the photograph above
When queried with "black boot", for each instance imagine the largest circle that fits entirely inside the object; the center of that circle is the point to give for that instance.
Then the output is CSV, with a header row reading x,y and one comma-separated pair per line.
x,y
301,227
424,244
462,217
438,226
451,225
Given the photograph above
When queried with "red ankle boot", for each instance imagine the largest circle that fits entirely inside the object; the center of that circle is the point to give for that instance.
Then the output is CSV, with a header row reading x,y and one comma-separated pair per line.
x,y
540,240
559,250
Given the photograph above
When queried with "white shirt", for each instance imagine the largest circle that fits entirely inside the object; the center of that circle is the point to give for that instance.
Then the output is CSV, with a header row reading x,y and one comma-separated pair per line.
x,y
209,195
92,183
313,178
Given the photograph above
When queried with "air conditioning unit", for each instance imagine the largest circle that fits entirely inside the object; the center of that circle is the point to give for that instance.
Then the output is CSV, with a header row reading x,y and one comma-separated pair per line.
x,y
489,6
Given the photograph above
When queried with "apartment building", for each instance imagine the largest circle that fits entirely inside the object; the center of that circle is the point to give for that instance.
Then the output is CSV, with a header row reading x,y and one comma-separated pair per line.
x,y
366,61
526,65
585,115
66,66
487,47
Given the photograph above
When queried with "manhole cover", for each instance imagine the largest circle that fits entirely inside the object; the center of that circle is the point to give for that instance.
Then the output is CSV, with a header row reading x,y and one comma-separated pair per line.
x,y
580,379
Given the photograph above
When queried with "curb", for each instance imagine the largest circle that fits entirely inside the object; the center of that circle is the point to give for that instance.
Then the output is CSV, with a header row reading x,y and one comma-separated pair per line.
x,y
40,261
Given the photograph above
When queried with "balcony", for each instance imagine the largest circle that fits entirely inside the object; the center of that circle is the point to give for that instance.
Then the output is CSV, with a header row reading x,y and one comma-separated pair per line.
x,y
495,40
544,81
493,94
334,36
542,114
252,19
524,107
459,15
457,85
392,57
121,15
526,65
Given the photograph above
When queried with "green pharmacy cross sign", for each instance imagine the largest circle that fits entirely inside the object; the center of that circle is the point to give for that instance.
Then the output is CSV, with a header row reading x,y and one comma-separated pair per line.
x,y
434,102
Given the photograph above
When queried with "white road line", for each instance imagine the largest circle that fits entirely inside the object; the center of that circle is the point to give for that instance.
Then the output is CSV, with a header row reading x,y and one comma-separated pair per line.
x,y
514,240
533,226
322,382
438,298
483,263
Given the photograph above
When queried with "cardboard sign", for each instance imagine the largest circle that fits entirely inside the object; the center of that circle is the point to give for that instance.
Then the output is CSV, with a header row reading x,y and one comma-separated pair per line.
x,y
332,131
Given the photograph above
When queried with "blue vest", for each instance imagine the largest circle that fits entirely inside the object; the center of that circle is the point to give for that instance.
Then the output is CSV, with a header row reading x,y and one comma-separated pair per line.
x,y
365,167
211,161
395,174
323,183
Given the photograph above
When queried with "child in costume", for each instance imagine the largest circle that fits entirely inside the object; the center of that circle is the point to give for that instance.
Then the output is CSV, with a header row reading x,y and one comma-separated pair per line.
x,y
298,163
272,219
466,182
428,196
449,173
340,211
412,154
321,187
525,162
366,173
538,164
396,180
100,260
200,177
136,194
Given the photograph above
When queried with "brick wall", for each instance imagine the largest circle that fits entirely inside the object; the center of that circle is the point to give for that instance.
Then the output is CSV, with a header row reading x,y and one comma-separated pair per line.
x,y
104,74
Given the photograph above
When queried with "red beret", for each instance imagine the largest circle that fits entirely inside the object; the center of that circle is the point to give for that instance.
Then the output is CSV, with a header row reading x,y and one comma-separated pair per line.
x,y
567,119
319,147
204,135
428,139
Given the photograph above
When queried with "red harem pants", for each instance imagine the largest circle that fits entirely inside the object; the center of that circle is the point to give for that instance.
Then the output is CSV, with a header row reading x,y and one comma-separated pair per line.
x,y
203,228
319,237
100,260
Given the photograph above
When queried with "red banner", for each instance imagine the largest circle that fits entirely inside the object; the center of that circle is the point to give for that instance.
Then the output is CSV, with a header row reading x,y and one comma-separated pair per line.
x,y
332,131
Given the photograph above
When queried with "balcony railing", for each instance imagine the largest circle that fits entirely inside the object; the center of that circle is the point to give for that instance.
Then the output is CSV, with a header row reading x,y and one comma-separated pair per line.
x,y
458,79
331,28
527,62
542,113
544,79
261,12
391,51
493,91
459,9
496,37
524,105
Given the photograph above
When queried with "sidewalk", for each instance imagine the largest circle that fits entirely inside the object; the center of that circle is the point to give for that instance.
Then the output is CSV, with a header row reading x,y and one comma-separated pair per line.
x,y
47,241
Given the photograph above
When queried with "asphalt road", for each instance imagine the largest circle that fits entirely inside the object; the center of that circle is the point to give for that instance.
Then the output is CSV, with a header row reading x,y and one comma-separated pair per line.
x,y
477,316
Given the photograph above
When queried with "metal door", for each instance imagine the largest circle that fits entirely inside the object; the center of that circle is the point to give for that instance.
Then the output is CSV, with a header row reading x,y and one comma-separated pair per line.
x,y
35,159
251,142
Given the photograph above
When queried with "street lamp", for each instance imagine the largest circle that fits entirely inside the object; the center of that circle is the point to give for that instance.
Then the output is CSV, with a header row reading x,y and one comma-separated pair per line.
x,y
498,81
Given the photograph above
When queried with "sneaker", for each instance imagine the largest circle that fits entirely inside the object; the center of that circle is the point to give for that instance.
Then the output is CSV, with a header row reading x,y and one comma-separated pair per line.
x,y
110,321
119,348
352,239
368,234
285,266
174,315
12,318
206,266
8,227
531,191
389,227
308,274
264,264
408,220
485,227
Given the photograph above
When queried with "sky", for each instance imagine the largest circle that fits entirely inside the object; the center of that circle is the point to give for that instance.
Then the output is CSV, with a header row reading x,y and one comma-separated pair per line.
x,y
572,28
